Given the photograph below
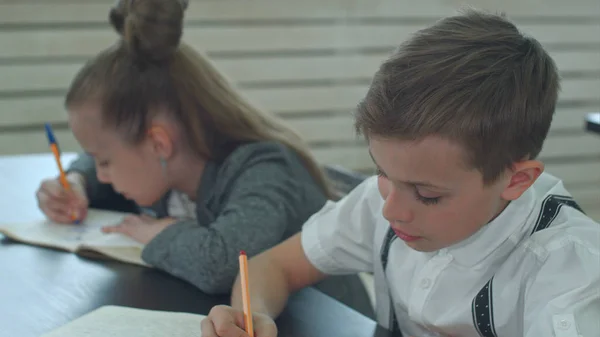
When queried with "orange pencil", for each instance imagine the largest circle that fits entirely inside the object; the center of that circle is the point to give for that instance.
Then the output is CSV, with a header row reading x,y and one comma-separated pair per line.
x,y
63,177
246,293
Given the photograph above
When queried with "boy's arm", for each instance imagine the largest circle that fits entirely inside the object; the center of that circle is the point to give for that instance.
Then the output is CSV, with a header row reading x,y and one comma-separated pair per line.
x,y
99,195
564,297
336,240
274,275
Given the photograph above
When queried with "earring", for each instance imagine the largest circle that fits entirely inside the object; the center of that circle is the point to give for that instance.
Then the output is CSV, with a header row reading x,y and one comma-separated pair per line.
x,y
163,165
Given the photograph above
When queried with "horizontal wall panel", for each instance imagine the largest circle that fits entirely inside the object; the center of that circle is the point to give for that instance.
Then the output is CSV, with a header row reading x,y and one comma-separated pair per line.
x,y
43,11
88,41
48,76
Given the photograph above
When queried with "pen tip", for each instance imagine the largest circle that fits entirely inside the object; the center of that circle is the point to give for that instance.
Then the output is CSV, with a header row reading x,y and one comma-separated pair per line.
x,y
242,252
49,133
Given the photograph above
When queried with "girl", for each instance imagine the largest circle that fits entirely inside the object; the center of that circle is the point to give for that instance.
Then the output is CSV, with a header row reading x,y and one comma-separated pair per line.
x,y
164,132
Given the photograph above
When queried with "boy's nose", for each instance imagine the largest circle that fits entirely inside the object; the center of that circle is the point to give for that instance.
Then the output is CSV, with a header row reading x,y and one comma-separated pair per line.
x,y
395,209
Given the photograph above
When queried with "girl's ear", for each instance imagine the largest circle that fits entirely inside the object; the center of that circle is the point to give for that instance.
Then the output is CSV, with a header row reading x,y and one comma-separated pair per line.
x,y
523,175
160,141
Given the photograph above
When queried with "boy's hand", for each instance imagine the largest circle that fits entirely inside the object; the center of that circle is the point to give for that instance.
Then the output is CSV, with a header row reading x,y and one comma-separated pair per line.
x,y
224,321
58,204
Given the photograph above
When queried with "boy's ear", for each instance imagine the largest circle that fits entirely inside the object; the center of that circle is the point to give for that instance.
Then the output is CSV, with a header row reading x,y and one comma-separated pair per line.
x,y
160,141
522,175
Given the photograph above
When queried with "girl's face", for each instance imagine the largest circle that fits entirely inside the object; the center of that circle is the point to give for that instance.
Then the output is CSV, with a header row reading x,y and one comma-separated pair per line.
x,y
135,171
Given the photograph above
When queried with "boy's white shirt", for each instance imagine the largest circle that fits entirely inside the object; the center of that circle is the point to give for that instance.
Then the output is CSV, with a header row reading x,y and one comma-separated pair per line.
x,y
545,284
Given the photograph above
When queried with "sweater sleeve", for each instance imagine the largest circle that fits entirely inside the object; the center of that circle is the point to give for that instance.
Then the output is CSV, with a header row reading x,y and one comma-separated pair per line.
x,y
100,195
261,201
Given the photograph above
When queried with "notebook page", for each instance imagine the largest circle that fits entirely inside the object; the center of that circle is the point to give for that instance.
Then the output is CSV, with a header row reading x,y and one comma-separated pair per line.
x,y
117,321
67,236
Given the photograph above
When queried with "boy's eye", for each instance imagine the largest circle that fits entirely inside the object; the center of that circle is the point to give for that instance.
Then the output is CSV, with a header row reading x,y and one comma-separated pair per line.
x,y
426,200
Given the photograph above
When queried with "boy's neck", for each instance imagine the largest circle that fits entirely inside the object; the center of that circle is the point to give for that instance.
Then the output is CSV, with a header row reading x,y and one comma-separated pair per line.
x,y
501,208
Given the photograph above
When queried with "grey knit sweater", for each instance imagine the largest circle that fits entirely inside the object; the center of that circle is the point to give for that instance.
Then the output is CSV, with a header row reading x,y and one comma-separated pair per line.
x,y
255,198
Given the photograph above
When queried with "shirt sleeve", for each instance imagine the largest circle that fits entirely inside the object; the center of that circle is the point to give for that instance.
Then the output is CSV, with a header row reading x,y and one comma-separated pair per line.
x,y
262,202
564,298
339,239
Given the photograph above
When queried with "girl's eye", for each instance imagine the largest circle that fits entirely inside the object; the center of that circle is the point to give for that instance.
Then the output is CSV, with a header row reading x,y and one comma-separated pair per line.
x,y
379,172
103,163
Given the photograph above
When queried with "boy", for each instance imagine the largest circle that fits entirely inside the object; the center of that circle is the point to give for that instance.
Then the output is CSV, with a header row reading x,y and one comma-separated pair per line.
x,y
464,232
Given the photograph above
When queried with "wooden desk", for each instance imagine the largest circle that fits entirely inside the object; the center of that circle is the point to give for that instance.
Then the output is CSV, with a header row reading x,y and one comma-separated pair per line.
x,y
592,122
42,289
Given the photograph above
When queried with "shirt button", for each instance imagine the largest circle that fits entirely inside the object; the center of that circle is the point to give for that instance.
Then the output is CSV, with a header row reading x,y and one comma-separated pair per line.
x,y
425,283
564,324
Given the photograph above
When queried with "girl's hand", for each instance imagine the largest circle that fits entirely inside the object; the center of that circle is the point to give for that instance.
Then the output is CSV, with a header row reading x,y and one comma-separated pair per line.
x,y
58,204
141,228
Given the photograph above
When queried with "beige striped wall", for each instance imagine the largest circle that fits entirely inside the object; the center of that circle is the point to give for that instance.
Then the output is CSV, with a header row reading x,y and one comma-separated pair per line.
x,y
309,61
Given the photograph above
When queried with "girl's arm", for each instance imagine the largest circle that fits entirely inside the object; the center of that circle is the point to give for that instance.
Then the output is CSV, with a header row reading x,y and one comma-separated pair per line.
x,y
261,202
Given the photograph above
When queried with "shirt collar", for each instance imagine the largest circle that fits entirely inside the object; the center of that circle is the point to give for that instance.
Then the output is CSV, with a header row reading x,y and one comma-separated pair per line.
x,y
505,231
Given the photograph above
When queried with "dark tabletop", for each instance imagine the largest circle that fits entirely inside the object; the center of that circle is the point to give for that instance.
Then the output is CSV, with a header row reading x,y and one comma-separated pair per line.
x,y
42,289
592,122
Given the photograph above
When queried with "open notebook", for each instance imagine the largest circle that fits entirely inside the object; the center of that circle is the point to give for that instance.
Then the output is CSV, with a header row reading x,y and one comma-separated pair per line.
x,y
117,321
85,239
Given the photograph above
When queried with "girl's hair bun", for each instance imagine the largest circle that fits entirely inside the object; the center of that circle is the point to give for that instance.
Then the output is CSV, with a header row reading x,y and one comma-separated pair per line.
x,y
151,29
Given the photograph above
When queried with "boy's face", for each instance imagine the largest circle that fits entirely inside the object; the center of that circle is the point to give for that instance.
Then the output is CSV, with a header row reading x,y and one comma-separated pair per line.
x,y
432,199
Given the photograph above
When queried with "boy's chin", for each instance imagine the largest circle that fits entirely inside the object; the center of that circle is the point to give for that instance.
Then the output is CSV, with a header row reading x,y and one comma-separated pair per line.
x,y
423,246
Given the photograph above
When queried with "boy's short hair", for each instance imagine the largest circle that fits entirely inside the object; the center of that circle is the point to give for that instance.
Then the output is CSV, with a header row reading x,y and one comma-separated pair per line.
x,y
472,78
